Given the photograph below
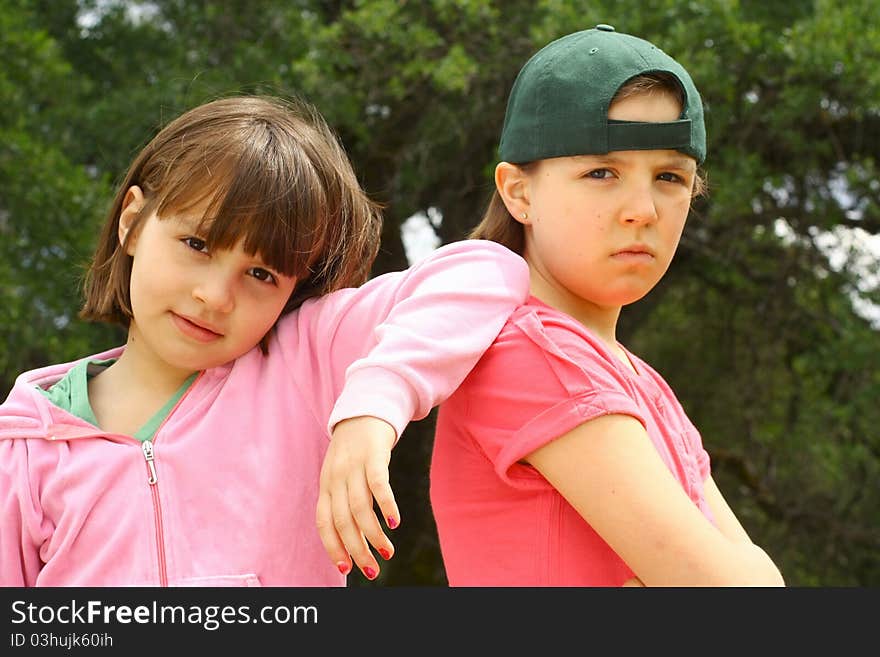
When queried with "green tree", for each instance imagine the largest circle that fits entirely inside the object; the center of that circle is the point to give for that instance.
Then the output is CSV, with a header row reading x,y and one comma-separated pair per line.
x,y
754,326
49,205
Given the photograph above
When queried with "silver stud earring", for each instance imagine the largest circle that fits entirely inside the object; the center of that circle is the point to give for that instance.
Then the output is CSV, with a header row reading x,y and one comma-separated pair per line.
x,y
524,215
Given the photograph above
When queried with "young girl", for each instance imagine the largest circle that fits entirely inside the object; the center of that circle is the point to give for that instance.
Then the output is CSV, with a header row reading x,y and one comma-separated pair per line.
x,y
564,459
191,455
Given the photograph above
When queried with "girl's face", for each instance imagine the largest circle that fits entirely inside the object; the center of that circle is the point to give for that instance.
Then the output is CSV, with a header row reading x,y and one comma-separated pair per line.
x,y
195,309
602,229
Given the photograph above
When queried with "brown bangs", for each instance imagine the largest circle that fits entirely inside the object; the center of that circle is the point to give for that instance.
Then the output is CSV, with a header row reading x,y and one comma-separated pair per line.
x,y
273,203
265,172
286,188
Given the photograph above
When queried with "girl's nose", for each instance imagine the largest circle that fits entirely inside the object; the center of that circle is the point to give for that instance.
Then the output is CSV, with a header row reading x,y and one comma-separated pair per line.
x,y
216,291
639,206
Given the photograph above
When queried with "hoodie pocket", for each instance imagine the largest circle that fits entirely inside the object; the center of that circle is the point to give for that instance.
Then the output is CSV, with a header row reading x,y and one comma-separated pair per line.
x,y
245,580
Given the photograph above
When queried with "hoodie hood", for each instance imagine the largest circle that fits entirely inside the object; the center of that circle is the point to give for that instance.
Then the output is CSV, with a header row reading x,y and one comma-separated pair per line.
x,y
27,413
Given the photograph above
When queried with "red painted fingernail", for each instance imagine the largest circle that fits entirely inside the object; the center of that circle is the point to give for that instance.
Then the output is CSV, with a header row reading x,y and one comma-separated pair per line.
x,y
386,554
392,522
370,573
343,567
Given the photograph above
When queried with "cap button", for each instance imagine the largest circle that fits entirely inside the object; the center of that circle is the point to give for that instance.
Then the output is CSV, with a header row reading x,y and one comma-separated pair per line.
x,y
604,27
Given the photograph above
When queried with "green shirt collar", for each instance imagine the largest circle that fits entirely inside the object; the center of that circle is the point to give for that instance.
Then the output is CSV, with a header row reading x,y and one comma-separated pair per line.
x,y
71,393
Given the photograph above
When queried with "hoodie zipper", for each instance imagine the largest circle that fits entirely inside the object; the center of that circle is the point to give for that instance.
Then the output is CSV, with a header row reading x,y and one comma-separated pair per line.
x,y
147,447
153,480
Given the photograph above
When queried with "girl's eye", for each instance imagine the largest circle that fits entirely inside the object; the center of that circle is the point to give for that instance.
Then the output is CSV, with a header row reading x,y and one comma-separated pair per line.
x,y
195,243
262,275
600,174
668,176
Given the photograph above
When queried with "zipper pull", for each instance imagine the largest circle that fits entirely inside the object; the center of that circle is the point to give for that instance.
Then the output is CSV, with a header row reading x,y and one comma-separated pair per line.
x,y
147,447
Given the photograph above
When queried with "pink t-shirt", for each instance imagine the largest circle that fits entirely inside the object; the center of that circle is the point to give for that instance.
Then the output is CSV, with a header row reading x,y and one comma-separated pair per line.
x,y
500,523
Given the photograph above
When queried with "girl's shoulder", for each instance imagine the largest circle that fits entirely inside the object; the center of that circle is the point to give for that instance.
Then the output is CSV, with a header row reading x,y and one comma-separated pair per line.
x,y
553,331
541,347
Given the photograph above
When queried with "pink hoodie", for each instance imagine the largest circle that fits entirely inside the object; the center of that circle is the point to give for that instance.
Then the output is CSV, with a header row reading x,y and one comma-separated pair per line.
x,y
225,493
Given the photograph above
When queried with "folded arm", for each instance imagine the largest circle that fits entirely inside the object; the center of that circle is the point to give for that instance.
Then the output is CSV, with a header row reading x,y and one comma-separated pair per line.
x,y
609,471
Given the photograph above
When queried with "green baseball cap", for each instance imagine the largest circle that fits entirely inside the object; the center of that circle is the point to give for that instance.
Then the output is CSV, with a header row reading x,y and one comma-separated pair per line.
x,y
559,102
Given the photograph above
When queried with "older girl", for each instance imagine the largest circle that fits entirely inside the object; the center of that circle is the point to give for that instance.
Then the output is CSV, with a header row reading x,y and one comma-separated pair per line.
x,y
564,459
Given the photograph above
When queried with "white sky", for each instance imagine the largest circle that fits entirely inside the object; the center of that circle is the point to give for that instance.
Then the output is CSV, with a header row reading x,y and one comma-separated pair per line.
x,y
844,245
419,238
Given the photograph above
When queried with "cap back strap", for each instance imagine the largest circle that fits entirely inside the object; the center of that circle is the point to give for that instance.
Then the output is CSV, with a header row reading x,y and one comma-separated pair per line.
x,y
636,136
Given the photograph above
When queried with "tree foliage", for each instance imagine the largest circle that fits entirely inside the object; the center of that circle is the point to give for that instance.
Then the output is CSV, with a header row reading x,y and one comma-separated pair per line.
x,y
754,326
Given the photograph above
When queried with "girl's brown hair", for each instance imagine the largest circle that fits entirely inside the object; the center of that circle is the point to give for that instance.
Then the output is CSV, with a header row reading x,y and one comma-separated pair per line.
x,y
273,174
497,223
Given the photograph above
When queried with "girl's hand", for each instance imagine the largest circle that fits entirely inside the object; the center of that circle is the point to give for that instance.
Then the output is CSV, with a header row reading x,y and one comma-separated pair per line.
x,y
354,473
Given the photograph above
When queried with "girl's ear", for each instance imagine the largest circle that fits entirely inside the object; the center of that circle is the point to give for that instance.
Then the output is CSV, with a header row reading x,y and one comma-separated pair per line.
x,y
132,204
512,184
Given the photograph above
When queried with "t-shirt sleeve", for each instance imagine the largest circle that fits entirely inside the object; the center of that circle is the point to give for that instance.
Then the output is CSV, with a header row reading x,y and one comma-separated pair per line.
x,y
538,381
695,445
692,437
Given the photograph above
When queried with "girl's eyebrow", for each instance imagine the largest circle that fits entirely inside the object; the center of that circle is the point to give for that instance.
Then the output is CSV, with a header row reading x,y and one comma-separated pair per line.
x,y
682,162
190,222
685,163
598,159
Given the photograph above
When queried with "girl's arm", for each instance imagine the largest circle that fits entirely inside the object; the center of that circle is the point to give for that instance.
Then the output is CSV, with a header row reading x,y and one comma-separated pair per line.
x,y
385,354
610,472
725,519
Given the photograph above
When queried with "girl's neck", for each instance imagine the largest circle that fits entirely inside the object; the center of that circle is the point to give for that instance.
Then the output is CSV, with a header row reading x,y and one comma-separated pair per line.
x,y
600,320
133,389
138,368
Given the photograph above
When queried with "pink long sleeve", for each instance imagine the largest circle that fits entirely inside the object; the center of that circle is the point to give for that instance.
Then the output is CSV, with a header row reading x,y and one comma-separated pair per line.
x,y
403,342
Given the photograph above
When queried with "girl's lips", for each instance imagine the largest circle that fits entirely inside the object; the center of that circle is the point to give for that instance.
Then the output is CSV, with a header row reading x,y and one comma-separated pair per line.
x,y
633,256
634,253
193,330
